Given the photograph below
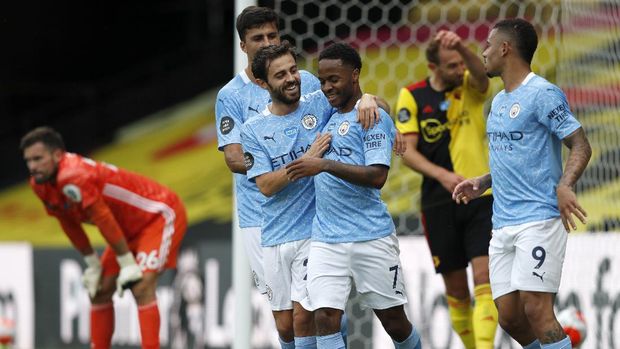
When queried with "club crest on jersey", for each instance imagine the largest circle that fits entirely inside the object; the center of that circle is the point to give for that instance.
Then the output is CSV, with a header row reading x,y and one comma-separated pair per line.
x,y
514,110
72,192
291,132
308,121
343,129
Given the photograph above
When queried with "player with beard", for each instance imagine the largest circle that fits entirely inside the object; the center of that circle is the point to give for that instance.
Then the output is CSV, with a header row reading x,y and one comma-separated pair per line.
x,y
281,133
358,244
142,222
443,122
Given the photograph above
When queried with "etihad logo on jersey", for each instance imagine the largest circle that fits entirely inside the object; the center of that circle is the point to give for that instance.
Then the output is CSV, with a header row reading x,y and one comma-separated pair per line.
x,y
503,141
339,151
292,155
501,136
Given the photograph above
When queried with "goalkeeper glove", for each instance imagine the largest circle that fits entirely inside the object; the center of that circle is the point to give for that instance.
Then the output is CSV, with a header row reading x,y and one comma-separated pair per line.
x,y
92,274
130,273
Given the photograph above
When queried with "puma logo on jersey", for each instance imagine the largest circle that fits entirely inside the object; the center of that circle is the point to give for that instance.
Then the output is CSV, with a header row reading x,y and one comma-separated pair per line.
x,y
272,137
252,109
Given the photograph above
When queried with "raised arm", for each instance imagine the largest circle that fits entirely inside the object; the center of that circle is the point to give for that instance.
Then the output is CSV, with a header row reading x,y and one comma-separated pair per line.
x,y
578,158
479,79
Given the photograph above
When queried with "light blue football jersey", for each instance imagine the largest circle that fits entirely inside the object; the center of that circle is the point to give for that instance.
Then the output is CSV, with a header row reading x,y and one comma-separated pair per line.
x,y
238,101
346,212
525,129
273,141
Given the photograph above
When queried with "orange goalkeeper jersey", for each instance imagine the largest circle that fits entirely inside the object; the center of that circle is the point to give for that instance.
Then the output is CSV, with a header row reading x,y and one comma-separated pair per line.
x,y
134,200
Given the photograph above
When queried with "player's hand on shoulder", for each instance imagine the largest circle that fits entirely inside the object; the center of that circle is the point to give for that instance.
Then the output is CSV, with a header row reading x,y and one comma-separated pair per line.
x,y
368,111
130,273
92,274
568,206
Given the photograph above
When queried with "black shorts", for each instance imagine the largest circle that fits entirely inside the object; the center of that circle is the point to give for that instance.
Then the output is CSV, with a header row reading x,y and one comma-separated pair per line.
x,y
457,233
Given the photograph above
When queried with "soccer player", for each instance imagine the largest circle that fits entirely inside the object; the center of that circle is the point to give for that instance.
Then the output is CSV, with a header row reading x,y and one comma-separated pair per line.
x,y
534,200
142,222
443,123
353,236
237,101
283,132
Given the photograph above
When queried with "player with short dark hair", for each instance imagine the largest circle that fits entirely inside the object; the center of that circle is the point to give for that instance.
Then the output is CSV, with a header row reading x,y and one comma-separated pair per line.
x,y
357,244
534,200
283,132
142,222
443,122
239,100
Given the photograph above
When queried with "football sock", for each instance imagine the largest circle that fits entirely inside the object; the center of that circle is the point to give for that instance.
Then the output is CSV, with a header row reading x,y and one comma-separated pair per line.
x,y
101,325
484,317
461,315
563,344
332,341
148,315
308,342
412,342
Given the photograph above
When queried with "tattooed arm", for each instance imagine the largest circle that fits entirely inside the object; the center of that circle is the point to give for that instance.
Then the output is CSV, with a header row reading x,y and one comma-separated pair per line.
x,y
578,158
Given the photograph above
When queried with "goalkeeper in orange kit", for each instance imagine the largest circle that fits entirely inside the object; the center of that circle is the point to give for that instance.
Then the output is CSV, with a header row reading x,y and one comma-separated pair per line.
x,y
142,221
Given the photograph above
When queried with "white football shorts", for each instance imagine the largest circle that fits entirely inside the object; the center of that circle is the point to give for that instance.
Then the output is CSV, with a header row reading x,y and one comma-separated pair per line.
x,y
373,265
285,273
254,251
527,257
